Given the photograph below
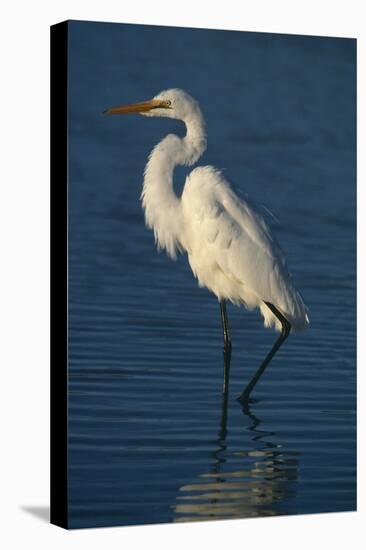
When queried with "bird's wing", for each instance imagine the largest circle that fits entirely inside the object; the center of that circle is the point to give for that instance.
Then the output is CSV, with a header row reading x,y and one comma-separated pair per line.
x,y
235,233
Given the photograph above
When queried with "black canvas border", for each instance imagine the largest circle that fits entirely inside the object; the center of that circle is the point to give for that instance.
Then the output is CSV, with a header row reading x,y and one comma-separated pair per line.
x,y
59,302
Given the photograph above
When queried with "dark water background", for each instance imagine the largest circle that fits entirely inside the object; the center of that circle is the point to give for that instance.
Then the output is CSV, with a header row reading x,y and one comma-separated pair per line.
x,y
148,441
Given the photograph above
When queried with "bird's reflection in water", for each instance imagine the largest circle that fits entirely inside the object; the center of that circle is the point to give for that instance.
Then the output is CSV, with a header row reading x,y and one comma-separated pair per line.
x,y
240,483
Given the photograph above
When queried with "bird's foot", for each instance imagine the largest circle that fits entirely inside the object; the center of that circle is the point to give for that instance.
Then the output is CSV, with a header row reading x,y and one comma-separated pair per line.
x,y
244,398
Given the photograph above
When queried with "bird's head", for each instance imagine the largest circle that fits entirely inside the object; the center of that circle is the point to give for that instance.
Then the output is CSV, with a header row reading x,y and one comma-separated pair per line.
x,y
172,103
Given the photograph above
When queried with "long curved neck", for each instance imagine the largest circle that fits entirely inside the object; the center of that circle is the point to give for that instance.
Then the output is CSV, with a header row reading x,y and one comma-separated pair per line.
x,y
161,205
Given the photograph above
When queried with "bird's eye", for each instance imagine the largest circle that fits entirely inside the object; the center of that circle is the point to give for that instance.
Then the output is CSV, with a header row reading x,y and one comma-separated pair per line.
x,y
168,103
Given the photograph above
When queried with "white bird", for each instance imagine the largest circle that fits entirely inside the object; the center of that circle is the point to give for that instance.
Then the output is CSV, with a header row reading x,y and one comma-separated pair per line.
x,y
230,248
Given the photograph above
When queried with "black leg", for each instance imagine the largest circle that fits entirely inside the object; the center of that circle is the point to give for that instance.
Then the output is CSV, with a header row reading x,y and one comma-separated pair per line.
x,y
286,328
225,325
225,398
227,345
227,361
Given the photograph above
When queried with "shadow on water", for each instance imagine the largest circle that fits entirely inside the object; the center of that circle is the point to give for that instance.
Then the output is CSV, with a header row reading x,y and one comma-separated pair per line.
x,y
240,483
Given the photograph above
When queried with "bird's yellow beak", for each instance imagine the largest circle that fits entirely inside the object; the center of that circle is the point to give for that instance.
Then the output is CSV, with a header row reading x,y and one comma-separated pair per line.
x,y
142,107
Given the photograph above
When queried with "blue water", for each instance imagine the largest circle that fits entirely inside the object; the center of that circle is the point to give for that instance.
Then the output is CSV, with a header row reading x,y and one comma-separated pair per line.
x,y
149,440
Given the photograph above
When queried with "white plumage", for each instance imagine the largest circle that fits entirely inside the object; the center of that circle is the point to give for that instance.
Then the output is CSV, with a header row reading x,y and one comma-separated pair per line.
x,y
233,253
230,248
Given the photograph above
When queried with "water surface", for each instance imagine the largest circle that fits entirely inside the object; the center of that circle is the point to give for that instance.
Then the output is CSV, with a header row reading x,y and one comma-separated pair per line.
x,y
149,440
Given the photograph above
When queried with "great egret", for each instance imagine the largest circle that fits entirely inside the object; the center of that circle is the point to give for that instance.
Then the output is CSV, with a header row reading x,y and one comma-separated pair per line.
x,y
230,248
